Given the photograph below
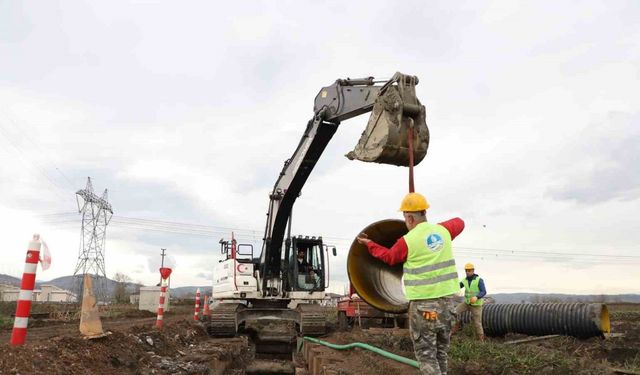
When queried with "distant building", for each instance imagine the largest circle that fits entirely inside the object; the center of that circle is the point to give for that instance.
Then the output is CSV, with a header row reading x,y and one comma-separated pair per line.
x,y
134,299
46,293
149,299
51,293
9,293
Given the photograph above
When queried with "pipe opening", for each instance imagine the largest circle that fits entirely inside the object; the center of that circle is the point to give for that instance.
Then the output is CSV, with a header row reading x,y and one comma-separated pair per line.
x,y
377,283
605,323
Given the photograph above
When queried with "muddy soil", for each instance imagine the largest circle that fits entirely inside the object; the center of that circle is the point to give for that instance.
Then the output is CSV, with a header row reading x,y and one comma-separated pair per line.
x,y
361,361
133,347
560,355
616,351
183,347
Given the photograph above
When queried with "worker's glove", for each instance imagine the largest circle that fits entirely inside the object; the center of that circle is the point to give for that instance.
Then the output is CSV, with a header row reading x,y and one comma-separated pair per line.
x,y
473,299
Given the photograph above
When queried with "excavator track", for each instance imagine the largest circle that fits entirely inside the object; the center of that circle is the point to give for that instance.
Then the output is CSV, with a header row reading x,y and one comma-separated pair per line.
x,y
312,319
224,321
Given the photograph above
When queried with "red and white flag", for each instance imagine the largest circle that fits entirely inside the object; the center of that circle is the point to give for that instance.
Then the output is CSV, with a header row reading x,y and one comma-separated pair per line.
x,y
45,255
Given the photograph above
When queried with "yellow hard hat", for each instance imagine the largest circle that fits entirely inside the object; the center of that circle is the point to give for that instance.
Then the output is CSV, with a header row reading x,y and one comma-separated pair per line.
x,y
414,202
469,266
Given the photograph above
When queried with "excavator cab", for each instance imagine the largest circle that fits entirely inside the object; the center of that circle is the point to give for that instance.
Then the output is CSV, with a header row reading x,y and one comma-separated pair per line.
x,y
306,264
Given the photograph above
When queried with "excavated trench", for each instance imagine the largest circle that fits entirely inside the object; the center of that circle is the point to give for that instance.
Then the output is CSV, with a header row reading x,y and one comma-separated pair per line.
x,y
273,345
183,347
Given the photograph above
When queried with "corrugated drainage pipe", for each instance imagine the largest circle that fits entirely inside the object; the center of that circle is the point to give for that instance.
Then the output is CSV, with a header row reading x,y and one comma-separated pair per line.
x,y
581,320
374,349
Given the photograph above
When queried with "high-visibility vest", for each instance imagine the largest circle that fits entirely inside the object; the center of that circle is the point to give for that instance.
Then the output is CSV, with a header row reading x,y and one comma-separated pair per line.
x,y
471,290
430,270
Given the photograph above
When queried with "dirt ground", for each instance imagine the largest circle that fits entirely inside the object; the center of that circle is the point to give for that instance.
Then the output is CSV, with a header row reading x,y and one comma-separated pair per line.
x,y
559,355
133,347
360,361
182,347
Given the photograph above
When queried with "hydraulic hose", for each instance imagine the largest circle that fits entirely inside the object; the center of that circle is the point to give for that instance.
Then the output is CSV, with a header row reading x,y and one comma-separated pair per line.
x,y
374,349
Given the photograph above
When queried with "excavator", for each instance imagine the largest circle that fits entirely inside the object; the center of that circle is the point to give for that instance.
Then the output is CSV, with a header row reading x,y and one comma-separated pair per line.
x,y
289,277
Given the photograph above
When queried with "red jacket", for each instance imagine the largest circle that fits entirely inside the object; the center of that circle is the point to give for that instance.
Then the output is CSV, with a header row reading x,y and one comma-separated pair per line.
x,y
398,252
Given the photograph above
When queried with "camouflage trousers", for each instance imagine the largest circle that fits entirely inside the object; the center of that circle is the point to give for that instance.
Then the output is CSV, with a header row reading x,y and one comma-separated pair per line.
x,y
430,322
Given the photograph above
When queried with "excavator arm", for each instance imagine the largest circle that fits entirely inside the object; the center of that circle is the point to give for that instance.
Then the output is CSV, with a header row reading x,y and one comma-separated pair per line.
x,y
396,113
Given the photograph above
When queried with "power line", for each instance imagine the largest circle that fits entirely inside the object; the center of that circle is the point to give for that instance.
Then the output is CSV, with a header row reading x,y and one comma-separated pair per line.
x,y
23,155
66,178
31,163
210,232
545,253
129,223
69,217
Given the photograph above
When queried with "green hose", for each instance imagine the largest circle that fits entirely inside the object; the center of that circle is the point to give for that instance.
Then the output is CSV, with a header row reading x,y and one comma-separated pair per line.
x,y
383,353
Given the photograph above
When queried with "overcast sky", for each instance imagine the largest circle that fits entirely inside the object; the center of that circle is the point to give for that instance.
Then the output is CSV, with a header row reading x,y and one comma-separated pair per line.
x,y
186,112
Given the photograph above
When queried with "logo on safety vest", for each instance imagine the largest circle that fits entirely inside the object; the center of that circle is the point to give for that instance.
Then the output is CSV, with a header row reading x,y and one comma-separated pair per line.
x,y
434,242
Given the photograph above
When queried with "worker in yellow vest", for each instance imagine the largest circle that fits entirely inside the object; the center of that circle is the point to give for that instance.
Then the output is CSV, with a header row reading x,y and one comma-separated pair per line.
x,y
430,279
474,292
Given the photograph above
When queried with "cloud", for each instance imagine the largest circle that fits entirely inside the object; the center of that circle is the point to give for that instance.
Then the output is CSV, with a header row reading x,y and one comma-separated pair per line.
x,y
206,276
187,116
154,263
604,162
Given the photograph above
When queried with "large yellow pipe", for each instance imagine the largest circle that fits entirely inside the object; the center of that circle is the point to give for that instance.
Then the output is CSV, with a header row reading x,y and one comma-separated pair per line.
x,y
377,283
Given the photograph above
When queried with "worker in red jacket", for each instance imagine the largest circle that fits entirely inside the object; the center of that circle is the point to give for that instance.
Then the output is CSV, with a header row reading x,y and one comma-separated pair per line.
x,y
430,279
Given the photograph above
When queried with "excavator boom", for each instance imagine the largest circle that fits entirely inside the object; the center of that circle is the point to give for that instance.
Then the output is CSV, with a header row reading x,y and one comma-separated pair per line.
x,y
248,288
396,112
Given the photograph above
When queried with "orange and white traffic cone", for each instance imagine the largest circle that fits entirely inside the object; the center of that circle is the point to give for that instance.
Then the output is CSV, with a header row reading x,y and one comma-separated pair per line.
x,y
164,273
196,311
205,311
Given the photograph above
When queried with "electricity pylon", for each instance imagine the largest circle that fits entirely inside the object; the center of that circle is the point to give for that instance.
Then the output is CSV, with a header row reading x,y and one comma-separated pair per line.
x,y
96,213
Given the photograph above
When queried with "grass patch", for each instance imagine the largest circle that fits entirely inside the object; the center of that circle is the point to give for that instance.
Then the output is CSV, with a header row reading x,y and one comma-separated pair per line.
x,y
469,355
5,321
633,364
629,316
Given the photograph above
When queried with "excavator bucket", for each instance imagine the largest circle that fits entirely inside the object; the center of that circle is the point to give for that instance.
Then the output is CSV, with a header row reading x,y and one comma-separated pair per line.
x,y
90,324
396,112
